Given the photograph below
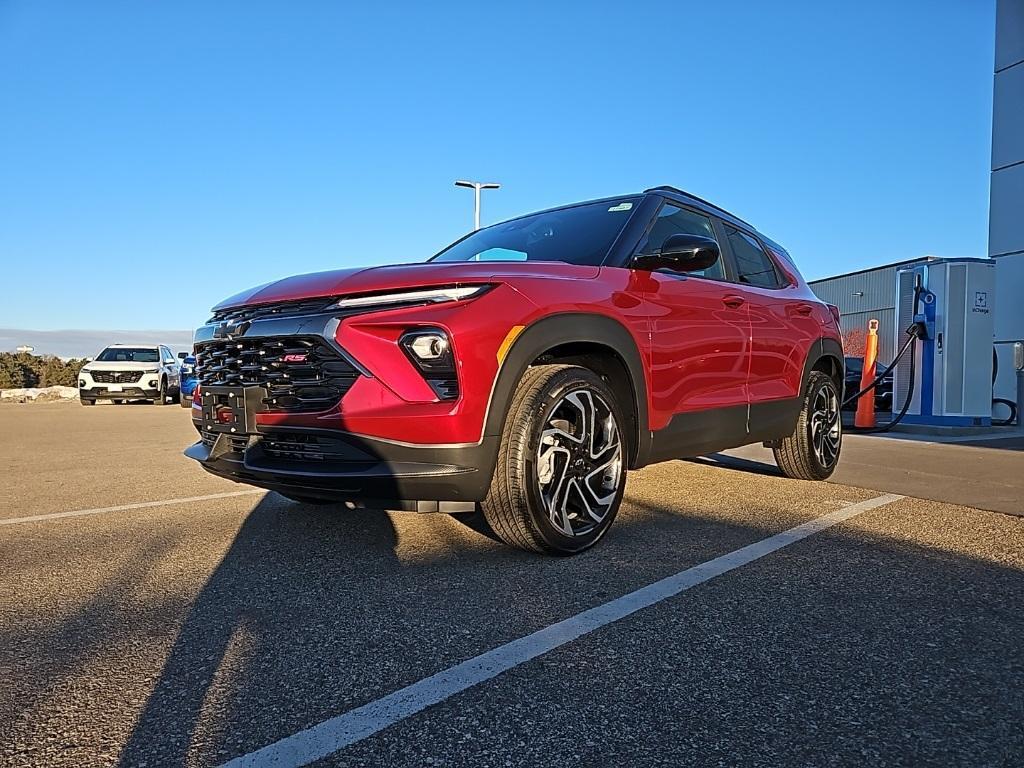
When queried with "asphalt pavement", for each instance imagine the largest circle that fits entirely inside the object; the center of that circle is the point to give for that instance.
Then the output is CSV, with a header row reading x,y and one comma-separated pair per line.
x,y
980,473
179,619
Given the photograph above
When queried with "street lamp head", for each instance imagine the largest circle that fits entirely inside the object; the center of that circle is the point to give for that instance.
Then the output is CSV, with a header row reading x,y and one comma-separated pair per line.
x,y
477,184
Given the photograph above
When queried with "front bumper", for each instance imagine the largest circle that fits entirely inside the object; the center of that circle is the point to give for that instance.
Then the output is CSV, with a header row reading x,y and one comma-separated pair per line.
x,y
127,392
340,466
387,443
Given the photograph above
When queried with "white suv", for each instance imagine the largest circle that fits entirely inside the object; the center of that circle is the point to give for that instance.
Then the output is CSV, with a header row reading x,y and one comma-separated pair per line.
x,y
131,372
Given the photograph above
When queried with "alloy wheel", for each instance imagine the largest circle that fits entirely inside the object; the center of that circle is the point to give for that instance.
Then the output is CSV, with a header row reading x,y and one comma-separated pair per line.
x,y
826,426
579,462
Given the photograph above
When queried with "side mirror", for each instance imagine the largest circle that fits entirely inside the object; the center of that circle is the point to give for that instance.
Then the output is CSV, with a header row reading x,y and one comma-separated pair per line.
x,y
682,253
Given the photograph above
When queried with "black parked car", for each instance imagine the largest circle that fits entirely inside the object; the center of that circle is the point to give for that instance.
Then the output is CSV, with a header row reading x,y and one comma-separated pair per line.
x,y
883,392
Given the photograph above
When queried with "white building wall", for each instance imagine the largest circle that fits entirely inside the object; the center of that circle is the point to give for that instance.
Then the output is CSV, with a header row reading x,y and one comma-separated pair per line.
x,y
1006,213
1009,318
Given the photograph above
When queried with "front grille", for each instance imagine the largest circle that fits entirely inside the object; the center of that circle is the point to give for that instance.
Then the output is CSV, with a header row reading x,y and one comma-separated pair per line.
x,y
300,373
115,377
276,309
295,448
237,443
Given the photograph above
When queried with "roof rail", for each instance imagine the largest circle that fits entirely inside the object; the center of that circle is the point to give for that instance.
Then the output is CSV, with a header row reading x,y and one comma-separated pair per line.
x,y
684,193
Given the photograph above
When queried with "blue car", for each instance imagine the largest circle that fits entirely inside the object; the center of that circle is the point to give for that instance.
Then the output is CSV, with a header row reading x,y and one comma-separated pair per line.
x,y
189,380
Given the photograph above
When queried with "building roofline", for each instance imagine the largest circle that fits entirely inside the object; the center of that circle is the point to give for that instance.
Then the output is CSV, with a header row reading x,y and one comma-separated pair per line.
x,y
918,260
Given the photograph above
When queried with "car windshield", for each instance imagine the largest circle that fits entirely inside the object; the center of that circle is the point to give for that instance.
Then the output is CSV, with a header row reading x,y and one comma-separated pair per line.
x,y
129,355
582,234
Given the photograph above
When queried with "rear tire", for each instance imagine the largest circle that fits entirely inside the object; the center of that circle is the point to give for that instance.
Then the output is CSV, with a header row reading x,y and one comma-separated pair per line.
x,y
561,467
812,451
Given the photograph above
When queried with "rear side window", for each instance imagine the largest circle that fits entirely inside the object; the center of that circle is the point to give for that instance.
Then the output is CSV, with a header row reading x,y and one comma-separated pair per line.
x,y
673,220
753,266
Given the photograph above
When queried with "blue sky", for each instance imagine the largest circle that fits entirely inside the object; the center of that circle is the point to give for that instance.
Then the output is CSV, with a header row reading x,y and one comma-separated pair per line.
x,y
156,157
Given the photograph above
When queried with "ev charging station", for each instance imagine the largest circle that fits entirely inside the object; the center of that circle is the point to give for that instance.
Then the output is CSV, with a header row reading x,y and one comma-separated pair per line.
x,y
953,300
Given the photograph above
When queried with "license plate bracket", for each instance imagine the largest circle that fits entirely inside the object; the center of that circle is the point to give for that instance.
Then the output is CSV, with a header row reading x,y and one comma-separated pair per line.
x,y
231,410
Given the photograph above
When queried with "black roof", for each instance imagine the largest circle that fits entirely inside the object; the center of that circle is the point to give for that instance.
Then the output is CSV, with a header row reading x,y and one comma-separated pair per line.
x,y
702,202
672,192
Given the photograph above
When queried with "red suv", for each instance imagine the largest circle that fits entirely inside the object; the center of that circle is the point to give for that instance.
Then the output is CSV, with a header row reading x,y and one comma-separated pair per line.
x,y
525,368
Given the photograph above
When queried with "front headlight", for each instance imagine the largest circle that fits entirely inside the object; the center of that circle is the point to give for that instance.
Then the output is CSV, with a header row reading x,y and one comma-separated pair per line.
x,y
151,370
425,296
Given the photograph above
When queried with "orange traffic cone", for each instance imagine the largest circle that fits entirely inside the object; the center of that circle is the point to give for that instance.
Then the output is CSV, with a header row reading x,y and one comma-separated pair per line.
x,y
865,418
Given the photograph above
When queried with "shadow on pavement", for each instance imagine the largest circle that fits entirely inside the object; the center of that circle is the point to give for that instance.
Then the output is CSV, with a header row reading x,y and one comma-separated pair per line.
x,y
249,607
735,462
854,645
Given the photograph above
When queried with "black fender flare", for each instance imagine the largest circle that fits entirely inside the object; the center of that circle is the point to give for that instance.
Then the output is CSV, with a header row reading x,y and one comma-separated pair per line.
x,y
822,348
566,328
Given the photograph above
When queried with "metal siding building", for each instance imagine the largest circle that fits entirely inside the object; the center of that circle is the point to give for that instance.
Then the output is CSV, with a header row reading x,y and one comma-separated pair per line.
x,y
862,296
1006,212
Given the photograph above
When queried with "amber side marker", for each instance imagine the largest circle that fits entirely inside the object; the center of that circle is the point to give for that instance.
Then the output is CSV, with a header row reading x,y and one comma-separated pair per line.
x,y
510,337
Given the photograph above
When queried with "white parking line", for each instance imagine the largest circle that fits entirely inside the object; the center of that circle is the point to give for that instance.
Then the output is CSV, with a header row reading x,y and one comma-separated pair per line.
x,y
126,507
339,732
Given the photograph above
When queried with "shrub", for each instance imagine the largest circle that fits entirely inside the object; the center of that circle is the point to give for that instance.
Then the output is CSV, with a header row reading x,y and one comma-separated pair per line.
x,y
26,370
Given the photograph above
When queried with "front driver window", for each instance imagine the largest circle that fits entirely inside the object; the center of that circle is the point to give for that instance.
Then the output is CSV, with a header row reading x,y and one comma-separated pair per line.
x,y
673,220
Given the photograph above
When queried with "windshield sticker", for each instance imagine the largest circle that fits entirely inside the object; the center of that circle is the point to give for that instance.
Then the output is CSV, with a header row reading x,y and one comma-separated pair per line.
x,y
620,207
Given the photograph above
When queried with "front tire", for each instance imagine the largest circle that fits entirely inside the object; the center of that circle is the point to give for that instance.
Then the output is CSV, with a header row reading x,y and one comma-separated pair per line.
x,y
87,401
561,468
812,451
162,396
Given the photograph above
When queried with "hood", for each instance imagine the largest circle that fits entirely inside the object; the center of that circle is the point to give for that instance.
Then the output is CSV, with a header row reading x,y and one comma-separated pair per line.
x,y
402,276
116,365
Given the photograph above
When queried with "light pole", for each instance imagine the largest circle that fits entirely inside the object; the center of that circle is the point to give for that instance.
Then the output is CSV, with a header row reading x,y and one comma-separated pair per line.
x,y
476,186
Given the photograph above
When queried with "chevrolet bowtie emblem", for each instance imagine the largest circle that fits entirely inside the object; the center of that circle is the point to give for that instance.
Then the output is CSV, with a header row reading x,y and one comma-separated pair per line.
x,y
231,330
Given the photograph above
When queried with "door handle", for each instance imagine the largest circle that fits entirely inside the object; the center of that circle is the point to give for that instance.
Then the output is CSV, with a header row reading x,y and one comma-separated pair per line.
x,y
804,309
733,301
